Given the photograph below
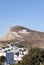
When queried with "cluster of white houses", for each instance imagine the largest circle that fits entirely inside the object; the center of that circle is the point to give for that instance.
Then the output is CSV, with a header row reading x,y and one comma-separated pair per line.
x,y
12,53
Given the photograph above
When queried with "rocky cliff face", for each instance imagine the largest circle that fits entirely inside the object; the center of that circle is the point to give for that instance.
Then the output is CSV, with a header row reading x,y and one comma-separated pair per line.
x,y
23,36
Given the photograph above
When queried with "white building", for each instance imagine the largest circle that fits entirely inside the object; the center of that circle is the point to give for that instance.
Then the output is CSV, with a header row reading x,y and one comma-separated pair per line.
x,y
14,50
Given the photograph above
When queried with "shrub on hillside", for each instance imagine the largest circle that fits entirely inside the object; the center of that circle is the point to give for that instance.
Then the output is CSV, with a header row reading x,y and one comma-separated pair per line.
x,y
35,56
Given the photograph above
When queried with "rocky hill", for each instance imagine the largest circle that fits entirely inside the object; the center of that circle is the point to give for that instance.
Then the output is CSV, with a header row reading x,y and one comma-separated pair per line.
x,y
19,35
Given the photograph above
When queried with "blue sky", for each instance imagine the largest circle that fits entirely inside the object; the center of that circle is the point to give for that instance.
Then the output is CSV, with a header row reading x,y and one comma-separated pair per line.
x,y
28,13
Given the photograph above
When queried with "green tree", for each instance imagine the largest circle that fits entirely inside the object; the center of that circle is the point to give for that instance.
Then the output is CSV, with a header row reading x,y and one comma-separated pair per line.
x,y
2,60
34,57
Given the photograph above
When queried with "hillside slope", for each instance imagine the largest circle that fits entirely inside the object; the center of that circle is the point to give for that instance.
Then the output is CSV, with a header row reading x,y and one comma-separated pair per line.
x,y
20,35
